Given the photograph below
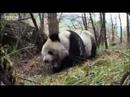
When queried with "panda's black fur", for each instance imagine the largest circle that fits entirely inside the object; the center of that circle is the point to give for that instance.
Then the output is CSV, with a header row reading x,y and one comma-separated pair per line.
x,y
77,47
77,52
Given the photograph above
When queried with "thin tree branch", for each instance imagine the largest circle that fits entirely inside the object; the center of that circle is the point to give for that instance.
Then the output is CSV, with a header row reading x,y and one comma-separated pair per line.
x,y
34,21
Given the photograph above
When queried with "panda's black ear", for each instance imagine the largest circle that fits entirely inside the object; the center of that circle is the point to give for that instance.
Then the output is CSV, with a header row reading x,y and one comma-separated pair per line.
x,y
54,37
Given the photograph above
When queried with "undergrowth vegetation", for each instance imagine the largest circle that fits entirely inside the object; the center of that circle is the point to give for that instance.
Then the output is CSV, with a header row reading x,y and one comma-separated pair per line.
x,y
106,69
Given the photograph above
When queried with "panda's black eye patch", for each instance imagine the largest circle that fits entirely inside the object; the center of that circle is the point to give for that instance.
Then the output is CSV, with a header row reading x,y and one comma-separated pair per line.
x,y
50,52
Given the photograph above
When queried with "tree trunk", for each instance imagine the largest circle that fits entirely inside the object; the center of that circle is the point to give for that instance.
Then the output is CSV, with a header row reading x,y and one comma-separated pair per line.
x,y
101,38
53,24
41,17
113,34
104,30
128,32
34,21
120,29
39,38
84,20
35,34
95,33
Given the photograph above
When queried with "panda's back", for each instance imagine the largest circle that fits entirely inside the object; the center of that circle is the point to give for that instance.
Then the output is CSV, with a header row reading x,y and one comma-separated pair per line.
x,y
73,42
86,37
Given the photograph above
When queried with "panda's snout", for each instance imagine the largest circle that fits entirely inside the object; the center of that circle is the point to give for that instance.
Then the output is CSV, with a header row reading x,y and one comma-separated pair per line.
x,y
46,61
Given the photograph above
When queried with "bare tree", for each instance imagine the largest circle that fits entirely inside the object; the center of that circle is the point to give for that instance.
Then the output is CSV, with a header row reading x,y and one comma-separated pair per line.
x,y
39,38
41,17
34,21
113,33
53,24
101,38
84,20
104,30
120,29
94,29
128,32
35,34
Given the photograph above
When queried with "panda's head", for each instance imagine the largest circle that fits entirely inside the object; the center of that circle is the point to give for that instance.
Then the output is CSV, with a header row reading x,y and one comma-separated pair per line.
x,y
54,52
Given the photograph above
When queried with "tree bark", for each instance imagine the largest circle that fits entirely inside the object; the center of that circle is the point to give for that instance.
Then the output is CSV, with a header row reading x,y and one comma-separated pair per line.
x,y
101,38
39,38
95,33
41,17
113,34
84,20
53,24
34,21
120,29
128,32
104,30
35,34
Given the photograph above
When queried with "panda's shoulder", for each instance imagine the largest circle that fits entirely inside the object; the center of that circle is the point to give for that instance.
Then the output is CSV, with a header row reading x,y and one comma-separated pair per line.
x,y
64,34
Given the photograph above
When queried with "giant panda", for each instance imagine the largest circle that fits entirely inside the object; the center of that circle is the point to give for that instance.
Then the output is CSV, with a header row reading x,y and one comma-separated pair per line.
x,y
67,48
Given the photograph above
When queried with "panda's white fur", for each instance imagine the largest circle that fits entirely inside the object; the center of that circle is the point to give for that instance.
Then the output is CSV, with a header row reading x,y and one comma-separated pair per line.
x,y
61,49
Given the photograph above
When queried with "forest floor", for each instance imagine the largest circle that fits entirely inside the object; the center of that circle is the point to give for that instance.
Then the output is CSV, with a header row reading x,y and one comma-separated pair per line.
x,y
106,69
